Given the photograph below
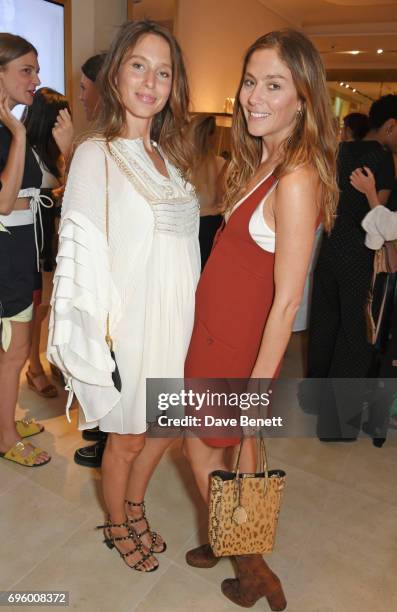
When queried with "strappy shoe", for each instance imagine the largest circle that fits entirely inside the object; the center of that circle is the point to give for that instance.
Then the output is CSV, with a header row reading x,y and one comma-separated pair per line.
x,y
152,534
111,542
49,390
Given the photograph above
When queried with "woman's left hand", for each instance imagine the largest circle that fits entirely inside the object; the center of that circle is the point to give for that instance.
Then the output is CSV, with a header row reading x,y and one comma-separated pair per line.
x,y
63,132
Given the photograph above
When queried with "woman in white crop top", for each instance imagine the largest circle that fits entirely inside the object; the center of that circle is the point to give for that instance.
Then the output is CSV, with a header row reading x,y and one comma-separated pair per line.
x,y
20,178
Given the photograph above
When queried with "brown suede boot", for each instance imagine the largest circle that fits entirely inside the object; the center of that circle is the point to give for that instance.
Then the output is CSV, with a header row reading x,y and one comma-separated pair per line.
x,y
254,580
202,556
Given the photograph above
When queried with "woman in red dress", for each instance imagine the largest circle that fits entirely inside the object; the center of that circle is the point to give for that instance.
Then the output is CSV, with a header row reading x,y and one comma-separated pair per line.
x,y
280,183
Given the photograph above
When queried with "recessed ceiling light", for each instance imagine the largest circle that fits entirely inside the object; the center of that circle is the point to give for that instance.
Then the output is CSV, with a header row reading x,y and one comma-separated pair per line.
x,y
354,90
341,83
379,51
347,85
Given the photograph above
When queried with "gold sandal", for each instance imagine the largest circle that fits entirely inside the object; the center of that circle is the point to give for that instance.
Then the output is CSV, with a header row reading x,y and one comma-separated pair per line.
x,y
47,391
110,542
15,454
152,534
28,427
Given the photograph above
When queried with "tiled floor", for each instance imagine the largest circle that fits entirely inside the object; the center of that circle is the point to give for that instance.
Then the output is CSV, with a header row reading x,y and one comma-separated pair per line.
x,y
336,547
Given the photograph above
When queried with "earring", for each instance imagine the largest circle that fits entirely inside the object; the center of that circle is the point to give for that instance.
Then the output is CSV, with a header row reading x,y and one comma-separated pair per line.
x,y
299,113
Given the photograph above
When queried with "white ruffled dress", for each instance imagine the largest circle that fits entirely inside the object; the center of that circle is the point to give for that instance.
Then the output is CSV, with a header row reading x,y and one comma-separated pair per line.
x,y
145,278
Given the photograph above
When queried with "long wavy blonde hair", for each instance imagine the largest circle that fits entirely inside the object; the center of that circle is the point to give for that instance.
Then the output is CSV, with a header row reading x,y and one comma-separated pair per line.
x,y
314,137
170,125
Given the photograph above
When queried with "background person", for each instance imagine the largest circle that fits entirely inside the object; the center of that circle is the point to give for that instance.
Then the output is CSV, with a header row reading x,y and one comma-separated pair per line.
x,y
380,225
355,127
207,177
89,96
49,131
338,350
20,177
91,456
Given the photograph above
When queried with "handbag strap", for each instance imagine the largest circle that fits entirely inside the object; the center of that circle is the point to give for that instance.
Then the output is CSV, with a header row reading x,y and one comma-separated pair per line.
x,y
261,460
263,464
381,310
108,337
371,292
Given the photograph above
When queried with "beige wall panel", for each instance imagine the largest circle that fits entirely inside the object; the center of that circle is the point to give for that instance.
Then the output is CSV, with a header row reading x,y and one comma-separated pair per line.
x,y
214,36
94,23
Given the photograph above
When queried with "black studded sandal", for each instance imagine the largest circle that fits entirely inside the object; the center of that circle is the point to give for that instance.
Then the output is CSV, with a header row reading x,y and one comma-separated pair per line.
x,y
152,534
110,542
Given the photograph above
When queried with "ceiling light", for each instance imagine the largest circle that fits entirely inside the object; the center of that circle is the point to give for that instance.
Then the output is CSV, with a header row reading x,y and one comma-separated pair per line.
x,y
379,51
341,83
354,90
354,52
347,85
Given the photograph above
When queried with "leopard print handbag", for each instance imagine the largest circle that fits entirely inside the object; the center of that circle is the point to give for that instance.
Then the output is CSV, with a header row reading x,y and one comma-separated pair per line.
x,y
244,509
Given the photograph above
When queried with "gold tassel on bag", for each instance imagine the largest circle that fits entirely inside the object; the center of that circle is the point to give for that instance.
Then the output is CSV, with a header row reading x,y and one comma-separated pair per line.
x,y
244,509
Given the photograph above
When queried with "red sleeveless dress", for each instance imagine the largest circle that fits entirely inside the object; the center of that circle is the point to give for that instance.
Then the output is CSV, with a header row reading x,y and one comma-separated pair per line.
x,y
233,300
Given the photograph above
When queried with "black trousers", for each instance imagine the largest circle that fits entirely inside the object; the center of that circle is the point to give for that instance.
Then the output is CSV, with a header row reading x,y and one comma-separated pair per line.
x,y
338,350
385,369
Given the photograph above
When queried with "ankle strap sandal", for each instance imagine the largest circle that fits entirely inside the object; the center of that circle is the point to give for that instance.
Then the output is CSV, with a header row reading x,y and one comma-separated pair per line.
x,y
111,540
154,536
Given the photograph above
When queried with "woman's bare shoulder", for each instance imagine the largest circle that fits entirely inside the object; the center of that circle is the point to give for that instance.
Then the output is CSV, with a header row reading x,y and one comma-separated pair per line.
x,y
303,179
298,189
304,175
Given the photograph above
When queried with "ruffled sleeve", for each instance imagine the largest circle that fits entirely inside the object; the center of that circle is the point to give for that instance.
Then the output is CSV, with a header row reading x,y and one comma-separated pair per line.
x,y
83,291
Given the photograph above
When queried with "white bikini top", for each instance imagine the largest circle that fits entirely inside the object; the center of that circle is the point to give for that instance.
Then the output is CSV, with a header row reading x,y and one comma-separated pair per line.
x,y
259,230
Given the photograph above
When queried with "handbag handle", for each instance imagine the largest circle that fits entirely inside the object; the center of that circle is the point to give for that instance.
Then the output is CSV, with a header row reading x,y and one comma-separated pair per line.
x,y
263,464
108,337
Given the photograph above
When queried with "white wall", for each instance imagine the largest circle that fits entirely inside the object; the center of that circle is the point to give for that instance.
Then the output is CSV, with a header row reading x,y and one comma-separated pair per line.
x,y
109,15
94,23
214,34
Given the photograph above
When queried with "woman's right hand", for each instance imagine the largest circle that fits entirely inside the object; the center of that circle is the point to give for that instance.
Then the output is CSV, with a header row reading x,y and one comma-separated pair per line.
x,y
15,126
63,132
363,180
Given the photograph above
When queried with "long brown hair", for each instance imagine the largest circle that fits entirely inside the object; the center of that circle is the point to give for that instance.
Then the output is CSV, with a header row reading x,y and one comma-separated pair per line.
x,y
313,140
39,119
205,169
168,126
202,129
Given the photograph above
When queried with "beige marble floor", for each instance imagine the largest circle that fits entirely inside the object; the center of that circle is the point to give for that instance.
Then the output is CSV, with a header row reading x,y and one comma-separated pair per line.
x,y
336,547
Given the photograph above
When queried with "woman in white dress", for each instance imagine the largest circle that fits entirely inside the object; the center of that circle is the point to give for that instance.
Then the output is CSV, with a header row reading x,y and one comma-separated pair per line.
x,y
128,248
